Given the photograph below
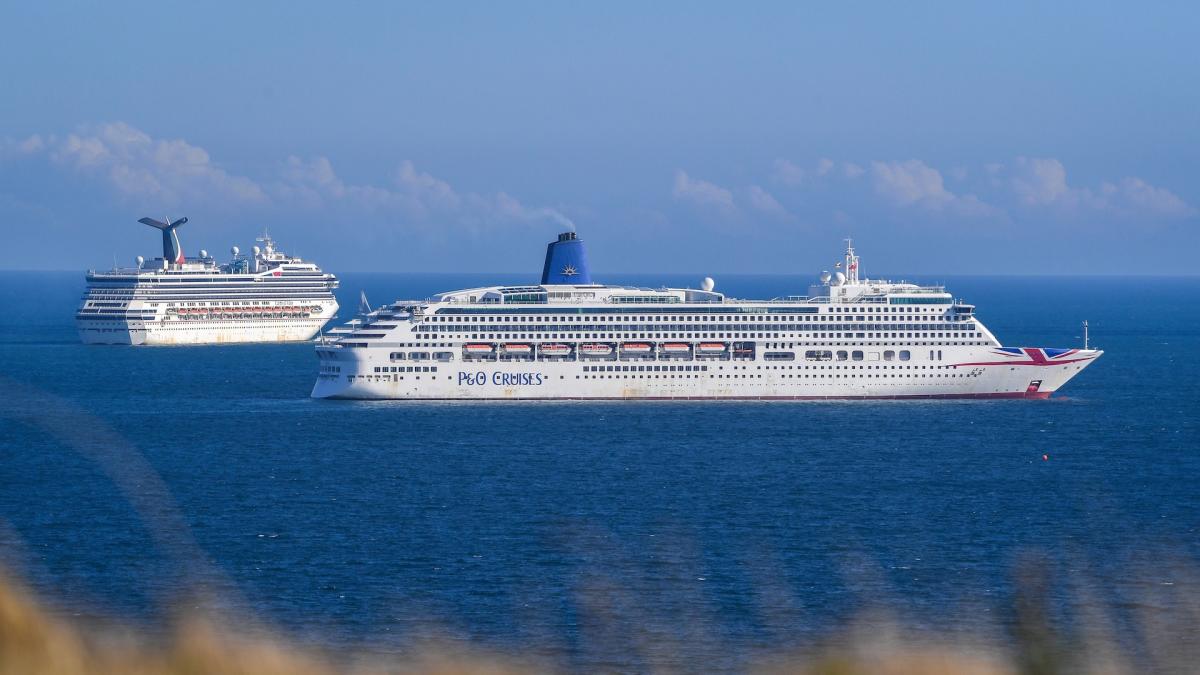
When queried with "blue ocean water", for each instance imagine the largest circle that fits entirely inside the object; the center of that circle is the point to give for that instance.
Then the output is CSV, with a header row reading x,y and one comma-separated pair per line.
x,y
614,535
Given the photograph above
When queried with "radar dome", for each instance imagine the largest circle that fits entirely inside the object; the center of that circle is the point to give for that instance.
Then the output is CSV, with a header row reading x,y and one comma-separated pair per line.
x,y
203,253
841,279
140,260
255,249
708,284
825,276
235,250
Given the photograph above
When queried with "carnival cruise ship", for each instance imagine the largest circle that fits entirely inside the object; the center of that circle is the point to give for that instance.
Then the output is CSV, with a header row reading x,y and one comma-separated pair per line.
x,y
268,296
850,337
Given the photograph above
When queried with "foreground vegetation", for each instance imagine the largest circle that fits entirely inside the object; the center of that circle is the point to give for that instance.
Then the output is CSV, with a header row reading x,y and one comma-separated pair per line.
x,y
36,641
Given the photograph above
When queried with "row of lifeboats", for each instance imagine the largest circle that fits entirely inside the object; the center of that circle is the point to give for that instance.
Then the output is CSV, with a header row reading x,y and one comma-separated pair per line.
x,y
593,348
242,310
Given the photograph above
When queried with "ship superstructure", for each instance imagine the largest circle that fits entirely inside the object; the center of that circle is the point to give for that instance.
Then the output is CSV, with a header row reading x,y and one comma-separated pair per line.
x,y
267,296
570,338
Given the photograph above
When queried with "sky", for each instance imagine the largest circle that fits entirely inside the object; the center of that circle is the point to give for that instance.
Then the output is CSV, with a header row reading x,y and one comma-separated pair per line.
x,y
691,137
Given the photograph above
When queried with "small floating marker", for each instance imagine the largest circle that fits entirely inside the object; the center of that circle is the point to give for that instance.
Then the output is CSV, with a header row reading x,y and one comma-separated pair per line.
x,y
1045,458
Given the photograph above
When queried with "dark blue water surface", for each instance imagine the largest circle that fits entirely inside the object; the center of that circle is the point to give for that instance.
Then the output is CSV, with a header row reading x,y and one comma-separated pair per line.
x,y
615,534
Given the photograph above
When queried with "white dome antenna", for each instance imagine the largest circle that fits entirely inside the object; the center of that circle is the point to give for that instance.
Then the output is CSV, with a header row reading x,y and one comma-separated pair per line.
x,y
256,250
235,250
708,284
825,276
839,279
203,253
140,261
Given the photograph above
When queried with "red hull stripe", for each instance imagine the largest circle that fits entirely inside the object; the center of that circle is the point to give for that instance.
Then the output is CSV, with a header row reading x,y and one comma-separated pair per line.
x,y
1023,363
996,395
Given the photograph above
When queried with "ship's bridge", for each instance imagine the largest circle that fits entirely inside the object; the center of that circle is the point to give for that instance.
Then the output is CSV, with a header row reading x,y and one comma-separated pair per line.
x,y
849,286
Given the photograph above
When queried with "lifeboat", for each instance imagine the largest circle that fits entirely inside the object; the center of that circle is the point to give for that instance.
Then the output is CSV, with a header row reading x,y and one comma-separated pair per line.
x,y
712,347
595,349
555,349
518,348
315,309
676,347
479,348
636,348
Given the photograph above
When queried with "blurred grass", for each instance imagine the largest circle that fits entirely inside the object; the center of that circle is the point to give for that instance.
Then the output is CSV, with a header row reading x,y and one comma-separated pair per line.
x,y
35,641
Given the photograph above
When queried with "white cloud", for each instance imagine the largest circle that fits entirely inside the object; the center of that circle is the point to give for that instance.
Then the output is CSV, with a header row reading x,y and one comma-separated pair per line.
x,y
915,183
138,166
761,200
910,182
701,192
1144,197
31,145
1042,182
143,167
1029,182
787,173
705,195
416,196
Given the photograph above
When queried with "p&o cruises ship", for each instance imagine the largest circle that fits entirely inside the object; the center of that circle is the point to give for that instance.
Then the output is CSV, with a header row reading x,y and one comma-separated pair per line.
x,y
569,338
266,297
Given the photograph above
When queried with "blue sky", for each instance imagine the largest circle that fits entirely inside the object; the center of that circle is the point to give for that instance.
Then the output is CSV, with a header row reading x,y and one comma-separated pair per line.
x,y
684,137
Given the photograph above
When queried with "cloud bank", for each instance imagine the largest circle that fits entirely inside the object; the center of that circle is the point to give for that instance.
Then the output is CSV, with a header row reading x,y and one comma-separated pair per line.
x,y
173,172
1003,190
705,195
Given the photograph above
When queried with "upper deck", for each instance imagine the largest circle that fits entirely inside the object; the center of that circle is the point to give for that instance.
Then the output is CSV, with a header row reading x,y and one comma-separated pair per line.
x,y
832,289
265,264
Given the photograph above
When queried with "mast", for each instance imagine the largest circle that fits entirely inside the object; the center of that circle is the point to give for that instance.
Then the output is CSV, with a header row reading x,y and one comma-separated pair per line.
x,y
851,263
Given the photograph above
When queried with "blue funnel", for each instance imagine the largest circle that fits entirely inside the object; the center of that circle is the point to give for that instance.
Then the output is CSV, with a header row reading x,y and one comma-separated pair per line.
x,y
566,261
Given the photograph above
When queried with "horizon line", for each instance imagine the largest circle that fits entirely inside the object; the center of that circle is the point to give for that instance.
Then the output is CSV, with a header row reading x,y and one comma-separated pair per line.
x,y
1144,275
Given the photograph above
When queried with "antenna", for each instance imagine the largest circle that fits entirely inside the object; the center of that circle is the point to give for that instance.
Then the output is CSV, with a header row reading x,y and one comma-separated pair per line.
x,y
1085,334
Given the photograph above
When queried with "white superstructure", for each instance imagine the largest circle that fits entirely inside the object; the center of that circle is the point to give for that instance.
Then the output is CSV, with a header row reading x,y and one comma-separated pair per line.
x,y
568,338
265,297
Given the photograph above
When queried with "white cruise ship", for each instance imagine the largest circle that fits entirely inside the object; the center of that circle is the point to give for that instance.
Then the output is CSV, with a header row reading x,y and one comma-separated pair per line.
x,y
266,297
568,338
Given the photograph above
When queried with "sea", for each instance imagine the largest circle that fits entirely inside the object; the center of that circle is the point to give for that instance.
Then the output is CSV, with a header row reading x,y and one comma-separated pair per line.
x,y
136,483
